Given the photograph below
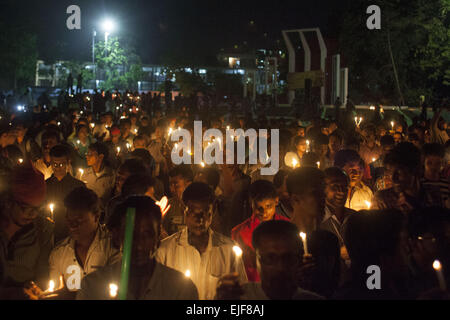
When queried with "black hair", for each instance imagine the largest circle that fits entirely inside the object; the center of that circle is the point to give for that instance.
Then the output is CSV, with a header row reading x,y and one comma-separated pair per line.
x,y
133,166
302,179
212,176
60,151
335,172
342,157
183,170
124,121
276,229
370,235
433,149
50,133
387,140
278,179
198,191
82,199
144,206
100,148
137,184
404,154
262,189
298,139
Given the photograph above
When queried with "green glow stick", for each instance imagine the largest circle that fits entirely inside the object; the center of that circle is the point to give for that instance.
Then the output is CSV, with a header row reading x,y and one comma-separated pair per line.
x,y
126,257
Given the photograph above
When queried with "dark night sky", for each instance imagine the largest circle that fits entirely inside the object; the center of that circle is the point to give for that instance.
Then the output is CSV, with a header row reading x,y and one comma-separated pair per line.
x,y
195,28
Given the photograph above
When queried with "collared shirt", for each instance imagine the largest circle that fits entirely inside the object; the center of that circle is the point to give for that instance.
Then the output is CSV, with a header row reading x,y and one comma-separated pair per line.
x,y
40,165
102,183
242,234
357,200
25,255
206,268
63,260
254,291
331,223
165,284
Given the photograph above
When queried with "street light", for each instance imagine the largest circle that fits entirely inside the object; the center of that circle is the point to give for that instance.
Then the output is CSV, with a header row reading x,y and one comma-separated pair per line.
x,y
108,26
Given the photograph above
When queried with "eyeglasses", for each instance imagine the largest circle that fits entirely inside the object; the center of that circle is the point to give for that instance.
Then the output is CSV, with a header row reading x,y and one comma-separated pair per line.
x,y
59,165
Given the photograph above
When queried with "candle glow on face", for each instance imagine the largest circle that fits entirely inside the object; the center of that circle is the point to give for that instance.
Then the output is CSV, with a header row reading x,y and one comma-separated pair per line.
x,y
113,288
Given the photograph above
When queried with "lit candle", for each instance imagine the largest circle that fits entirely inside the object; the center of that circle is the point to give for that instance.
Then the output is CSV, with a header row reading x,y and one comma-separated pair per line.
x,y
187,274
128,146
113,289
305,245
92,125
294,163
438,267
52,207
360,120
81,173
118,150
307,145
368,204
81,112
135,131
318,164
78,141
238,252
392,124
356,120
20,160
373,159
170,131
59,123
202,164
228,127
51,286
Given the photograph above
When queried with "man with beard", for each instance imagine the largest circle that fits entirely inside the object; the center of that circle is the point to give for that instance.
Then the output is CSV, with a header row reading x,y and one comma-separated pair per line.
x,y
279,254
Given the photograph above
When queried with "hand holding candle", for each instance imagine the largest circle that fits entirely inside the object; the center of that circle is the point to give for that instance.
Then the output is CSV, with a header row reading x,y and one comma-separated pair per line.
x,y
238,252
304,241
438,268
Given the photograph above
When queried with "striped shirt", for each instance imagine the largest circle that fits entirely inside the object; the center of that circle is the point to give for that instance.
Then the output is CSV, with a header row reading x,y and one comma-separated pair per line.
x,y
206,268
437,192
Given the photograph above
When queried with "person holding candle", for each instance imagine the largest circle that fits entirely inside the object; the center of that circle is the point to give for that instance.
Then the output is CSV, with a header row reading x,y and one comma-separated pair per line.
x,y
263,199
89,245
113,158
50,138
321,270
353,165
206,253
59,185
148,279
279,254
377,238
299,144
99,176
26,236
180,177
428,241
81,142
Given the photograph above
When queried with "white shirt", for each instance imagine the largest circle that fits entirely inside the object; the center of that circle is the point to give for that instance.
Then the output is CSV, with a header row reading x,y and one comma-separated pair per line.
x,y
206,268
360,195
63,259
165,284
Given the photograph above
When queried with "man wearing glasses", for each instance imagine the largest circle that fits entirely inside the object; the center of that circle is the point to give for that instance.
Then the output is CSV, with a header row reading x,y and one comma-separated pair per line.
x,y
26,237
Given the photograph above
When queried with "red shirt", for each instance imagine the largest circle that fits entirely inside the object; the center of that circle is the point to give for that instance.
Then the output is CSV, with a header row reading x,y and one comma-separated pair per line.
x,y
242,234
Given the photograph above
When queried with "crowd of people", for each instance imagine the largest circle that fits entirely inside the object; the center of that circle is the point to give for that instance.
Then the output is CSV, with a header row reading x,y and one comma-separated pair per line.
x,y
372,192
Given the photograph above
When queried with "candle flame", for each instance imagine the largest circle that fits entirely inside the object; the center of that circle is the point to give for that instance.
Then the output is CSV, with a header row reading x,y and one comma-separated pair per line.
x,y
294,163
188,273
92,125
20,160
237,251
303,236
368,204
51,286
202,164
81,171
228,127
51,206
318,164
113,288
78,141
118,149
437,265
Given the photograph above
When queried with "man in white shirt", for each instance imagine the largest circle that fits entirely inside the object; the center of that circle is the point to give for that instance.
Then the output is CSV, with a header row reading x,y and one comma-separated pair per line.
x,y
206,254
89,245
148,279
